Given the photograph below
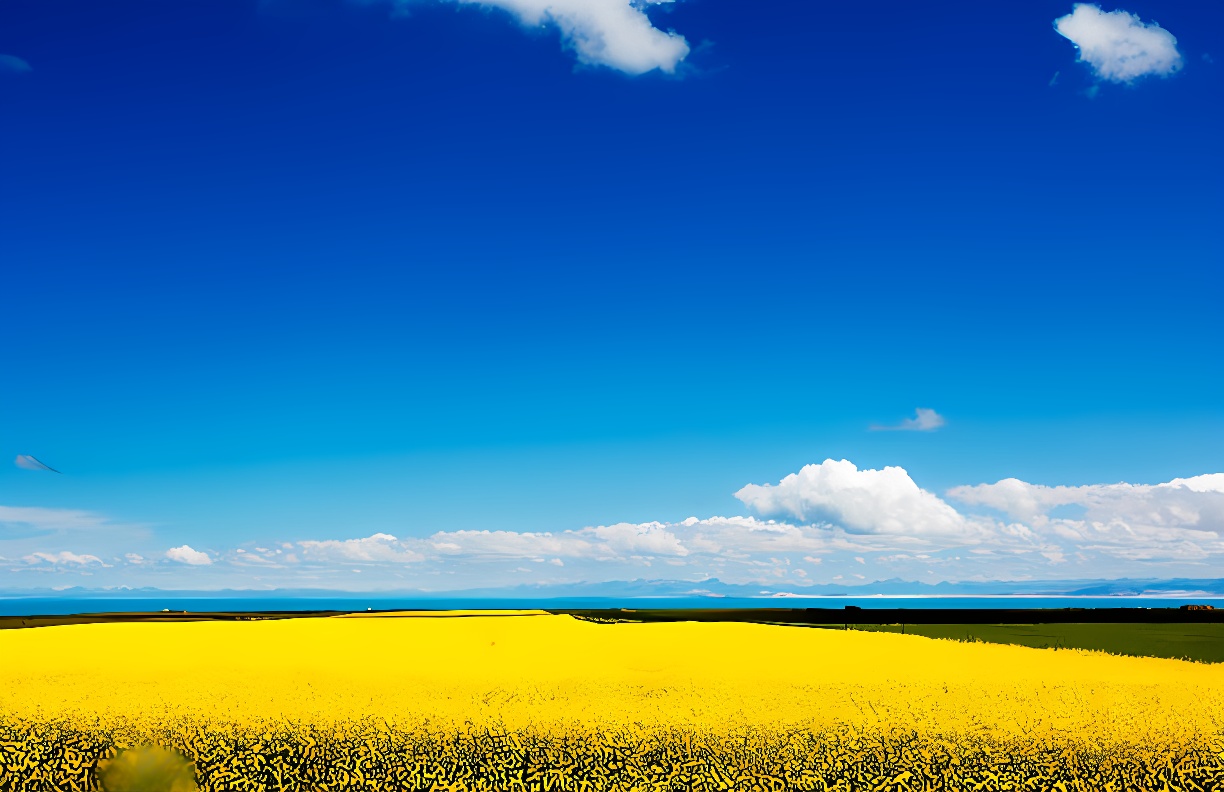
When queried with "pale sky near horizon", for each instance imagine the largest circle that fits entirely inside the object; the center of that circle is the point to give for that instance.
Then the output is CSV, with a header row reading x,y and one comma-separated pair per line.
x,y
466,293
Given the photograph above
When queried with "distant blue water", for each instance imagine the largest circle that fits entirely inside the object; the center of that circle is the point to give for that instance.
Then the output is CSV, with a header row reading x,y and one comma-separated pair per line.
x,y
57,606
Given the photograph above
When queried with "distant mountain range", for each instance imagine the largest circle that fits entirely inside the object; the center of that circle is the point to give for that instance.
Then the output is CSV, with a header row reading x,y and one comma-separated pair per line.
x,y
1176,587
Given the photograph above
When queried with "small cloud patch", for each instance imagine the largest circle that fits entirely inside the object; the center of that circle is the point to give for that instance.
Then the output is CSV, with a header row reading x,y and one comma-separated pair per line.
x,y
187,555
924,420
1118,45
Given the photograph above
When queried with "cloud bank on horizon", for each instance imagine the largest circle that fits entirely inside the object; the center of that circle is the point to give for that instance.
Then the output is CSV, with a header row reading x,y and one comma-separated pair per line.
x,y
1118,45
613,33
828,522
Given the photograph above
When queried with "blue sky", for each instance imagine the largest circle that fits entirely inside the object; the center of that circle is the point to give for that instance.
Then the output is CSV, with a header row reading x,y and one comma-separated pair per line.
x,y
525,284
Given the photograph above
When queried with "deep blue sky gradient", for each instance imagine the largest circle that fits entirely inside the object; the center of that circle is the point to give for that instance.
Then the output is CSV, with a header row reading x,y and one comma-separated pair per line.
x,y
310,271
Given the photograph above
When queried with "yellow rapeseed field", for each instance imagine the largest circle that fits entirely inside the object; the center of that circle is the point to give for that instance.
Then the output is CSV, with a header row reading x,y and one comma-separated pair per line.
x,y
536,701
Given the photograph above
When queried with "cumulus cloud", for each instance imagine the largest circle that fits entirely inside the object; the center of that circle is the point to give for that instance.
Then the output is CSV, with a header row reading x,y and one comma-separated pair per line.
x,y
613,33
63,558
187,555
1182,501
378,548
924,420
884,502
1179,519
1118,45
13,65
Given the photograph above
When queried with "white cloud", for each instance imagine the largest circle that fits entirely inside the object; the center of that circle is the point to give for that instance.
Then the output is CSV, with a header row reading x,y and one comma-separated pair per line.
x,y
743,537
379,548
924,420
824,519
1188,501
1182,519
1117,45
731,537
649,539
1013,497
512,544
1209,482
62,558
615,33
612,33
882,502
603,542
13,65
186,555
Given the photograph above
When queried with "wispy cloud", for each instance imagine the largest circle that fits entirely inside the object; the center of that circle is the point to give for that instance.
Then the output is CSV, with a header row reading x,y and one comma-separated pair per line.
x,y
1118,45
46,520
11,64
613,33
27,462
604,542
924,420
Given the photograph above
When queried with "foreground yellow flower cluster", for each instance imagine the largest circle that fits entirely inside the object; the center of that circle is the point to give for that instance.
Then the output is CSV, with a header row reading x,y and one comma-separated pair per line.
x,y
536,701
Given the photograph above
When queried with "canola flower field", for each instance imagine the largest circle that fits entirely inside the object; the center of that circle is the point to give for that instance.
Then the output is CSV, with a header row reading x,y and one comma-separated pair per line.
x,y
532,701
